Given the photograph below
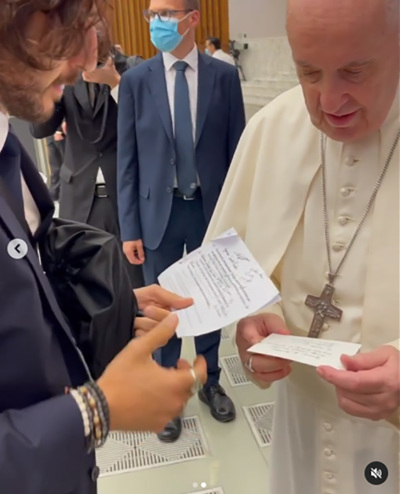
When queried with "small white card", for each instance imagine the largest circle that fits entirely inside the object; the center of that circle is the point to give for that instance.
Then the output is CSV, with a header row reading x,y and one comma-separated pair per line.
x,y
225,281
309,351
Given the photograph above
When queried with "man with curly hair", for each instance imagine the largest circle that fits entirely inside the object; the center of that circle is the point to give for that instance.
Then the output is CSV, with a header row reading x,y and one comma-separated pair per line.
x,y
52,414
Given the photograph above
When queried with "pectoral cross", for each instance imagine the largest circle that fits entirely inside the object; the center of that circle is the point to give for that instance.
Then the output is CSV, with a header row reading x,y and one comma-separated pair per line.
x,y
323,309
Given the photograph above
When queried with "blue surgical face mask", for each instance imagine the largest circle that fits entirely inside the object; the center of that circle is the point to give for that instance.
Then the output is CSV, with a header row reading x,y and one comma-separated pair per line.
x,y
164,34
207,51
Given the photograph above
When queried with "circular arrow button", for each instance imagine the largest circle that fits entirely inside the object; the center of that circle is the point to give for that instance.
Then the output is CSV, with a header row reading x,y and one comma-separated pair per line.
x,y
17,249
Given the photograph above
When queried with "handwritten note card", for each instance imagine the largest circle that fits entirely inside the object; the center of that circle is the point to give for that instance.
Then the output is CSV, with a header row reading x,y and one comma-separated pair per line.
x,y
310,351
225,282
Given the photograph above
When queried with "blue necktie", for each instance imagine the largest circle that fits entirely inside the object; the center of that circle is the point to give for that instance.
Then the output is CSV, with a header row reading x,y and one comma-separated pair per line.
x,y
186,162
10,170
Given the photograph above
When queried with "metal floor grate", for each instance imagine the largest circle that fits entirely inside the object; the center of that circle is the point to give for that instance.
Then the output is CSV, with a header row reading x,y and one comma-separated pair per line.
x,y
234,370
260,418
129,452
225,335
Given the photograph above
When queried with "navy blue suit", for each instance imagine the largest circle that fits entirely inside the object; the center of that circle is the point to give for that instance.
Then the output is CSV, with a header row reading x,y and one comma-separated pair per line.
x,y
42,446
147,203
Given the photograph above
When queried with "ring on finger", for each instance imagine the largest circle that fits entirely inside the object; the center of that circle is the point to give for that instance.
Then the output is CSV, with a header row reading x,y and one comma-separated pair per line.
x,y
249,364
196,384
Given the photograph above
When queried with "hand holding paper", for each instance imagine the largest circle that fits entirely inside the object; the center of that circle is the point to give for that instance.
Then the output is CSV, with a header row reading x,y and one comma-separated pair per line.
x,y
309,351
225,281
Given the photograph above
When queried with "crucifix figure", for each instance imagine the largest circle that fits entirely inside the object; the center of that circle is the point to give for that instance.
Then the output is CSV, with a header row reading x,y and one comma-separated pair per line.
x,y
323,309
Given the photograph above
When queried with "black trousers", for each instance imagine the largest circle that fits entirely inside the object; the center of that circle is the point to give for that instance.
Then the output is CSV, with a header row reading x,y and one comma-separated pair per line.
x,y
103,216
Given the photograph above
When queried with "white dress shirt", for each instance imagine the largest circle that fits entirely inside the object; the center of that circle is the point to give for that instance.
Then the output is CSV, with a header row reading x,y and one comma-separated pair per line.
x,y
225,57
32,214
192,77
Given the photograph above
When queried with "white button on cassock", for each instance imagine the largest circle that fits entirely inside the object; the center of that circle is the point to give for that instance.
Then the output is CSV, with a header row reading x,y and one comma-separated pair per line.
x,y
350,161
338,247
345,191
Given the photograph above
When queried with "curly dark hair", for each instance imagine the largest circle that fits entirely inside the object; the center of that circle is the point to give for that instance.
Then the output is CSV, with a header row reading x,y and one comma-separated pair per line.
x,y
68,22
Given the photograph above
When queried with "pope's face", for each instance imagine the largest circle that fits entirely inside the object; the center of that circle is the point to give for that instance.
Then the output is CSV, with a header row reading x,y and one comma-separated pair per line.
x,y
348,69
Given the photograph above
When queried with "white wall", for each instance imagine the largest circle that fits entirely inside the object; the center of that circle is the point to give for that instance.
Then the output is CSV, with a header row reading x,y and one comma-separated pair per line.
x,y
257,18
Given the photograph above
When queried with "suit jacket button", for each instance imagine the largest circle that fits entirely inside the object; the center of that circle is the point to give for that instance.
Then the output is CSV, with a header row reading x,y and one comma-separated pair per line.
x,y
169,190
95,473
100,155
172,161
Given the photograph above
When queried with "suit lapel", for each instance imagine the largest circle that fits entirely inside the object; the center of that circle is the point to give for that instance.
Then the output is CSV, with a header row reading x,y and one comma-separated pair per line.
x,y
104,93
80,91
206,87
15,230
158,88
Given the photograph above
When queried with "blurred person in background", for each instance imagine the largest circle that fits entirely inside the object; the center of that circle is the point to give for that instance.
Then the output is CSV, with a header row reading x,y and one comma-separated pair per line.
x,y
214,49
56,150
88,174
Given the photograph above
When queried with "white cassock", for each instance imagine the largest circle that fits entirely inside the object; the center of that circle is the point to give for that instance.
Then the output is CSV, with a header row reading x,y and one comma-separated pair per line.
x,y
273,197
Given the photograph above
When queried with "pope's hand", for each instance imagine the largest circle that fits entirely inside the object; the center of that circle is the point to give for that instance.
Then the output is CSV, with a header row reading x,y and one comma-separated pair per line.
x,y
252,330
156,303
370,387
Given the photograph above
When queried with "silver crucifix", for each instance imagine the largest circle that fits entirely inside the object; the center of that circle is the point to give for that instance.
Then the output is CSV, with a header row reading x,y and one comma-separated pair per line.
x,y
323,309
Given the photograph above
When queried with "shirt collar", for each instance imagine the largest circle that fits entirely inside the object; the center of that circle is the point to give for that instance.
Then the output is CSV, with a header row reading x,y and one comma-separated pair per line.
x,y
192,59
3,129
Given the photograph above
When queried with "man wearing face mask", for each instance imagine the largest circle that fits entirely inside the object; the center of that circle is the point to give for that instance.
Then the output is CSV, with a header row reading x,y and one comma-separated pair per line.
x,y
181,115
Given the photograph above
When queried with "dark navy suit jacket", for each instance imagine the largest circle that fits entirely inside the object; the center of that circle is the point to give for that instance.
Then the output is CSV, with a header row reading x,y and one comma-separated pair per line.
x,y
146,148
42,447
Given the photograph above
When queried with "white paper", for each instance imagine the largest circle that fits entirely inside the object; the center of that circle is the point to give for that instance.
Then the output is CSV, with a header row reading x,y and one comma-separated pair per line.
x,y
309,351
225,282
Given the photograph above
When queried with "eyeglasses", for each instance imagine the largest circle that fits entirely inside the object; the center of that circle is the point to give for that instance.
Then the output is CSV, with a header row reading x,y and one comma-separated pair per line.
x,y
164,15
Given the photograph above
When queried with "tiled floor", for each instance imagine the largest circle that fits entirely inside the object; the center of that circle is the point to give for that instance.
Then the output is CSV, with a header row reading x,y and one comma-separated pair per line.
x,y
210,458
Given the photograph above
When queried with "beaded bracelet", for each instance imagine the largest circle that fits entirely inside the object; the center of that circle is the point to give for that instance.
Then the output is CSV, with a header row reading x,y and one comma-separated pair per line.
x,y
83,409
104,410
95,413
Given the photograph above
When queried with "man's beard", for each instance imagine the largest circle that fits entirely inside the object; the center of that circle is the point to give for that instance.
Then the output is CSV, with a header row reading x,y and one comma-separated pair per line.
x,y
26,100
22,102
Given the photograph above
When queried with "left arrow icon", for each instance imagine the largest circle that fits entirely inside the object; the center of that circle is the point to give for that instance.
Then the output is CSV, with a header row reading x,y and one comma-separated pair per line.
x,y
17,249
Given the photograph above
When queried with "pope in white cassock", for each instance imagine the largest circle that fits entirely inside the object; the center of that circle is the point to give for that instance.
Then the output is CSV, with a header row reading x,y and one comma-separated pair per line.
x,y
314,192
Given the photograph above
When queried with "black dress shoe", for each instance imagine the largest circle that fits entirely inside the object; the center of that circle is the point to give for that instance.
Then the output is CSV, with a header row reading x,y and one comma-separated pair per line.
x,y
171,432
221,406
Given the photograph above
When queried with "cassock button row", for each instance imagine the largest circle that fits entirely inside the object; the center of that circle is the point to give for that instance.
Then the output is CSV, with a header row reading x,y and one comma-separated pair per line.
x,y
328,452
328,427
329,476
